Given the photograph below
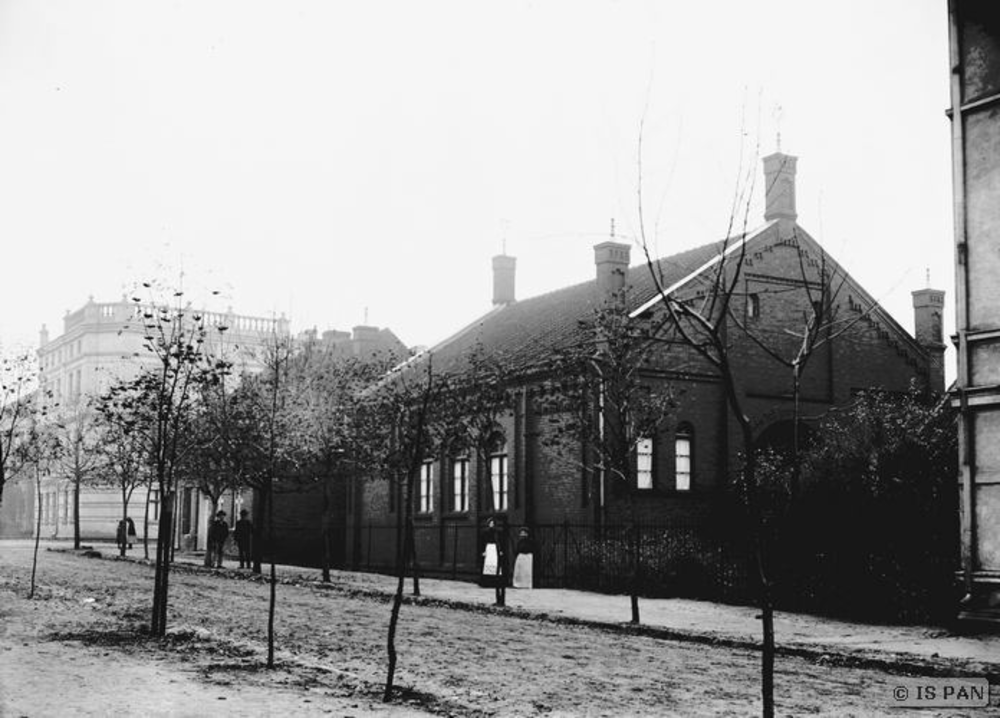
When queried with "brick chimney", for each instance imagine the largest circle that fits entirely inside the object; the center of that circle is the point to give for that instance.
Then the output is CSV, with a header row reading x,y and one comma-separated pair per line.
x,y
611,260
928,311
503,280
779,187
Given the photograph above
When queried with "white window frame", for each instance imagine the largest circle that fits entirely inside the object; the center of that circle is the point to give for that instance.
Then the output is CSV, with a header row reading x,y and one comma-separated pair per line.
x,y
425,486
498,479
460,484
644,463
683,445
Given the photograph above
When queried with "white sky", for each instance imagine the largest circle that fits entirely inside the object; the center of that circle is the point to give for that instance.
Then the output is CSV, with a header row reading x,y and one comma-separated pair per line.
x,y
318,158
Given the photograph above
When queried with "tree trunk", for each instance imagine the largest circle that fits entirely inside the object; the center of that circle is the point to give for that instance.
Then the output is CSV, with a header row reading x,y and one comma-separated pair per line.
x,y
38,531
145,526
326,529
274,582
796,411
767,626
414,564
124,526
397,602
636,560
756,519
76,511
158,625
257,548
404,548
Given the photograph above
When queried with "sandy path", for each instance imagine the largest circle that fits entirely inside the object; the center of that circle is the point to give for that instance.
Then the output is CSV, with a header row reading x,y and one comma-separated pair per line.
x,y
82,637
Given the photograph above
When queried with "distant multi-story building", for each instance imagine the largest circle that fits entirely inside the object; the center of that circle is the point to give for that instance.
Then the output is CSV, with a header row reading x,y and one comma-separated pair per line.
x,y
101,343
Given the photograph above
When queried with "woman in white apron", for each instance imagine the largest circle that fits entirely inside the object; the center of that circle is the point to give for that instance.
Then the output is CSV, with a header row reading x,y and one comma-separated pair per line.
x,y
524,563
492,574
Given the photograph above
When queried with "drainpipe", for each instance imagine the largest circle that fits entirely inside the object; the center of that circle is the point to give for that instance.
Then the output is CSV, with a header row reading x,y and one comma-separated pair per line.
x,y
967,444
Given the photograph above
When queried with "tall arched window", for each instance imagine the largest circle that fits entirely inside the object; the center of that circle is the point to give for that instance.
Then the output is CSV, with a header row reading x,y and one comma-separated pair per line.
x,y
460,483
683,451
644,463
498,476
425,488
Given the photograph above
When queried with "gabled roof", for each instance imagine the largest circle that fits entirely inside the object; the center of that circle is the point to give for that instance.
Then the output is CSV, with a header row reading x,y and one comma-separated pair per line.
x,y
525,333
531,329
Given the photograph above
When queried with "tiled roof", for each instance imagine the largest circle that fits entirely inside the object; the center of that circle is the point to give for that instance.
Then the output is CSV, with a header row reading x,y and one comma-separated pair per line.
x,y
533,329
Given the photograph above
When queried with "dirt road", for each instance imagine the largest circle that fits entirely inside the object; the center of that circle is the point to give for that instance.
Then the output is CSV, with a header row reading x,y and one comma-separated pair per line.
x,y
79,648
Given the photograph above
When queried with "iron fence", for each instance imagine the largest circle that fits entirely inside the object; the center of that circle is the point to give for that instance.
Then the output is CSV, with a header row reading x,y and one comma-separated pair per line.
x,y
663,559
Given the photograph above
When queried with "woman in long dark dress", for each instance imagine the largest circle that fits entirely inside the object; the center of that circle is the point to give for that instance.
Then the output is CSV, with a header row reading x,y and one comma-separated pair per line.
x,y
492,573
524,563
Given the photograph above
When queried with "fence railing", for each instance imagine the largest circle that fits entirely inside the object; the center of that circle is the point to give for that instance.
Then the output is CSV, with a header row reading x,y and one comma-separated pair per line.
x,y
665,560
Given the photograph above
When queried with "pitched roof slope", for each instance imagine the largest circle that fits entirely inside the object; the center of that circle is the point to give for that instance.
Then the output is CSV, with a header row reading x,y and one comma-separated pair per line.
x,y
531,329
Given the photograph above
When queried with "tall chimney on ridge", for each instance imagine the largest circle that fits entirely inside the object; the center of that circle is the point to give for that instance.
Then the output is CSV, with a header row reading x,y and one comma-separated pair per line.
x,y
611,260
928,310
779,187
503,280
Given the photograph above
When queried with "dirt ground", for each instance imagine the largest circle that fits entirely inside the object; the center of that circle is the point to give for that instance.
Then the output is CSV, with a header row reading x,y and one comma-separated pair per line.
x,y
79,648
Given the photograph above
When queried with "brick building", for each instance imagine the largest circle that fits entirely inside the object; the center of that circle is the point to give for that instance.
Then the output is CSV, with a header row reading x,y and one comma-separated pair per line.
x,y
683,468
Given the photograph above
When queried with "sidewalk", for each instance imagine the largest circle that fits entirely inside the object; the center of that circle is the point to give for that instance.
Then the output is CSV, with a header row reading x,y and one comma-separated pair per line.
x,y
913,648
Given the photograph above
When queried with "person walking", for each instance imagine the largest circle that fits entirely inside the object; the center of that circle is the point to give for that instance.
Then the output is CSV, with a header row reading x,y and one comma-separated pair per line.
x,y
218,532
244,534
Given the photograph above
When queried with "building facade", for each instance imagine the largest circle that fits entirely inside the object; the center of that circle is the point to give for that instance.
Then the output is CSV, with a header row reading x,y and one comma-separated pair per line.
x,y
975,98
102,343
533,480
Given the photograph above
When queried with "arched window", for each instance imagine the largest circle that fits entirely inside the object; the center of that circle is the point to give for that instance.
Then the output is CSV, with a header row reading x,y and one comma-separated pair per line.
x,y
460,483
498,476
644,463
425,488
683,451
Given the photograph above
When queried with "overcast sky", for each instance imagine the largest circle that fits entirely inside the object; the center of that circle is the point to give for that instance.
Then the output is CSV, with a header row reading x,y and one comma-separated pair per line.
x,y
324,159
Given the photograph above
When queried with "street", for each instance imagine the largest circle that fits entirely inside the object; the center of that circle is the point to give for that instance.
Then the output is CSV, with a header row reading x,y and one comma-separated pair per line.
x,y
330,651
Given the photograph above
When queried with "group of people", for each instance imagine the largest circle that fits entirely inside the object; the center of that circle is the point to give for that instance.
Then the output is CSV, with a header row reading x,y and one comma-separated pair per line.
x,y
125,536
494,572
218,533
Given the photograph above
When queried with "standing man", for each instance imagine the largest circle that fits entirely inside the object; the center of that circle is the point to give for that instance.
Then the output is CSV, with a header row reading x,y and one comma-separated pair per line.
x,y
243,533
218,532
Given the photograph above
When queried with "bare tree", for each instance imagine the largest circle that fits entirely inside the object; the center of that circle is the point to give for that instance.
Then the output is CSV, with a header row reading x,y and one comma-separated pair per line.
x,y
608,396
124,462
263,446
157,404
815,321
18,377
325,403
396,430
80,455
481,393
700,319
36,447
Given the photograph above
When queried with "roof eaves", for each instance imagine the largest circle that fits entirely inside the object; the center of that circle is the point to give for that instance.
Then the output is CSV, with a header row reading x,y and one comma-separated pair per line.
x,y
478,322
658,297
